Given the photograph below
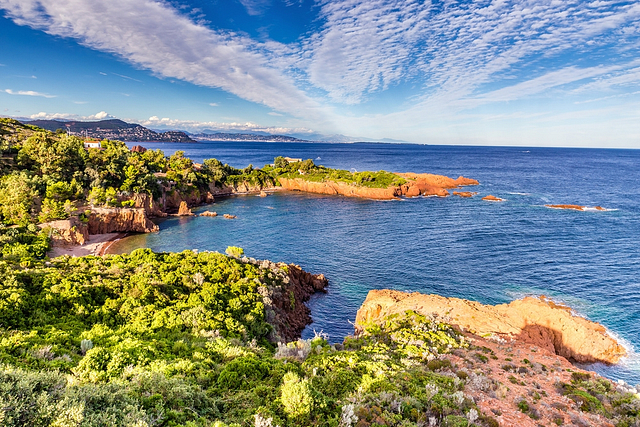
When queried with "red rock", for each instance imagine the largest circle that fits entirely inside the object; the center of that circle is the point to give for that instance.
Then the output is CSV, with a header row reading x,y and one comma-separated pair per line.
x,y
117,220
184,210
464,193
208,213
536,321
228,216
138,149
491,198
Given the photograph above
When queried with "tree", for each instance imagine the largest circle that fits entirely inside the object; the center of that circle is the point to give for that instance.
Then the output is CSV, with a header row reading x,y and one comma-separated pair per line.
x,y
17,193
280,162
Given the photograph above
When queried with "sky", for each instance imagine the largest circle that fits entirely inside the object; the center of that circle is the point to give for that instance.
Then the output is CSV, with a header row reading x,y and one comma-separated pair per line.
x,y
482,72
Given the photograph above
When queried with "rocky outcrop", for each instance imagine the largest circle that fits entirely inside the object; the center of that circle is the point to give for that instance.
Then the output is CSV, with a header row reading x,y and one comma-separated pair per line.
x,y
209,213
576,207
229,216
151,207
138,149
184,210
172,200
238,188
338,188
465,194
416,185
115,220
536,321
67,232
288,303
492,198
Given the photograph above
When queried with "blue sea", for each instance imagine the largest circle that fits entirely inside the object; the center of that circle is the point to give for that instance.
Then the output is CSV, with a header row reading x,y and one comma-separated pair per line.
x,y
468,248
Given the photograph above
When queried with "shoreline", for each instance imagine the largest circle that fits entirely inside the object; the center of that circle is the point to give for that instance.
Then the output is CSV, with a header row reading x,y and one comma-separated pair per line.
x,y
96,245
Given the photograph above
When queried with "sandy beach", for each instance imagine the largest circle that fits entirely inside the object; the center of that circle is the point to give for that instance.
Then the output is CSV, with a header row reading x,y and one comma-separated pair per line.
x,y
96,245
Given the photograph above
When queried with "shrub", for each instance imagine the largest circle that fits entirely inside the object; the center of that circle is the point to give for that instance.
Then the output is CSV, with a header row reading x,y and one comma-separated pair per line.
x,y
296,396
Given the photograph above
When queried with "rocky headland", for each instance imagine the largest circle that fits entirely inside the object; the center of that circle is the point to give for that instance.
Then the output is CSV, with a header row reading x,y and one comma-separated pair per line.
x,y
534,321
416,185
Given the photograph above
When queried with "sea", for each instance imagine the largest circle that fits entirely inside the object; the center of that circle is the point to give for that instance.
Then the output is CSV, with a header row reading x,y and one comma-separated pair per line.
x,y
467,248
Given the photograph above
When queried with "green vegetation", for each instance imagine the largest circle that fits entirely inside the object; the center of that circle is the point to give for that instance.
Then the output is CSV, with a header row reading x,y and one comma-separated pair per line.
x,y
308,171
181,339
46,176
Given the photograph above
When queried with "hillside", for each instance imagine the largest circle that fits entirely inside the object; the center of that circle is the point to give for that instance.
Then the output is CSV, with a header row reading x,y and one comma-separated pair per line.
x,y
114,129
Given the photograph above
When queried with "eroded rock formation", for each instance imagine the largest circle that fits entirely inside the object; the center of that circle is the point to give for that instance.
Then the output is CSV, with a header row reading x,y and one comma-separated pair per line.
x,y
291,313
115,220
184,210
417,185
536,321
65,232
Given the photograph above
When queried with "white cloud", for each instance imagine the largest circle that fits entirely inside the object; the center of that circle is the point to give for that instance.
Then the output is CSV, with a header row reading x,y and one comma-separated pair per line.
x,y
29,93
196,126
67,116
157,37
256,7
273,113
214,104
101,116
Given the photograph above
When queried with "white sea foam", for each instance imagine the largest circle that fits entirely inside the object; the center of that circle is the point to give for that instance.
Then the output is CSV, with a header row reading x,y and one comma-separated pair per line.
x,y
520,194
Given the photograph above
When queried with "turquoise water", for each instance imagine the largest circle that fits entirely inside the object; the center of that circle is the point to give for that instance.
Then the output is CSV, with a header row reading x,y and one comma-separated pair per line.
x,y
489,252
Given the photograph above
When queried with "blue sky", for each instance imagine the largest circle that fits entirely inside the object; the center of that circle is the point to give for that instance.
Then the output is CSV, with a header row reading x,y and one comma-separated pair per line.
x,y
484,72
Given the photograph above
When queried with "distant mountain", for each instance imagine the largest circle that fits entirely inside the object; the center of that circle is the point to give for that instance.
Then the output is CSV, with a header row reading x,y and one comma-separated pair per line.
x,y
112,129
244,137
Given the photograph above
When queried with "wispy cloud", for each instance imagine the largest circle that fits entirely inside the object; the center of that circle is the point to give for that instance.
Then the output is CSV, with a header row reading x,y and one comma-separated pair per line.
x,y
28,93
157,37
127,77
256,7
273,113
214,104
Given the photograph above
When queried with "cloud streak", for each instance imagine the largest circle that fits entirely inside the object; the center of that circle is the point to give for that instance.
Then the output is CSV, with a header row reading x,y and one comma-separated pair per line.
x,y
154,36
29,93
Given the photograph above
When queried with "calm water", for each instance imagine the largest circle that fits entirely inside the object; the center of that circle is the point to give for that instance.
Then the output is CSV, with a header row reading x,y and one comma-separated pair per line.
x,y
489,252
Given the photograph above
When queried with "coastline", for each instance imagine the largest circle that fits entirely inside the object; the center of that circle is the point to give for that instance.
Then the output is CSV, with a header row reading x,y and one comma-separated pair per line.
x,y
96,245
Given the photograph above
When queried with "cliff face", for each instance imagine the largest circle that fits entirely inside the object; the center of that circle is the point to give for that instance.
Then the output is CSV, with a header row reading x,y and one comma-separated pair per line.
x,y
535,321
417,185
335,188
243,187
114,220
67,232
289,314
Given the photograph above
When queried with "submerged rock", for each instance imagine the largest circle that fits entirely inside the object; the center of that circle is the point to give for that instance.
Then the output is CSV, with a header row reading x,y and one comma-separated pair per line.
x,y
492,198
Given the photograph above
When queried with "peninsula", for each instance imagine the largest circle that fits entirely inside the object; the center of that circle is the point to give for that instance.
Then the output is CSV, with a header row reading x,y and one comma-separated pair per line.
x,y
111,189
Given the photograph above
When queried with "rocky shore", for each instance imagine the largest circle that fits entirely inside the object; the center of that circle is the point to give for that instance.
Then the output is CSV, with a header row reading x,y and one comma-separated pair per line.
x,y
535,321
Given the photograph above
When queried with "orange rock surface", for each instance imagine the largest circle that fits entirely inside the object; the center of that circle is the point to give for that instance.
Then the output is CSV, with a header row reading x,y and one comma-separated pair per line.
x,y
464,193
491,198
209,213
536,321
184,210
116,220
417,185
575,207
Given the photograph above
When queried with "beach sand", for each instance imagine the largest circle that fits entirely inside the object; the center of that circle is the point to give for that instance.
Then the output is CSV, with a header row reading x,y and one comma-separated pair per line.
x,y
96,245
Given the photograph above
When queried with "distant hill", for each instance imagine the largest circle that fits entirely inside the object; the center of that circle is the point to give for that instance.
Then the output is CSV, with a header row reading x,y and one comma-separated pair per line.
x,y
244,137
112,129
